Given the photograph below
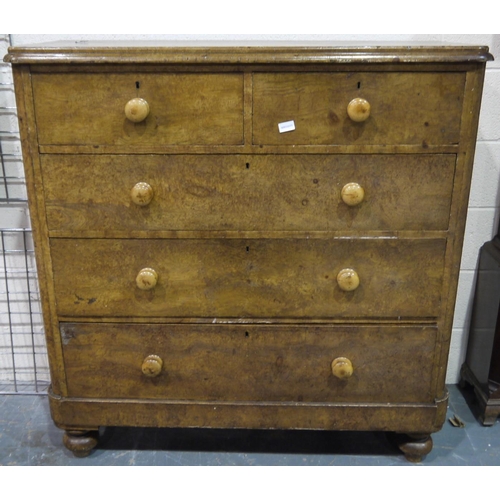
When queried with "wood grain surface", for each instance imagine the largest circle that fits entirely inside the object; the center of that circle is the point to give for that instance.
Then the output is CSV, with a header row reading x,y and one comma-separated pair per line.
x,y
247,192
406,108
250,363
184,108
289,278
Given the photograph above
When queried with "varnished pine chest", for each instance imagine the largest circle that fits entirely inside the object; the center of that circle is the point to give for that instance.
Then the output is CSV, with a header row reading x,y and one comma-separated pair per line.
x,y
248,237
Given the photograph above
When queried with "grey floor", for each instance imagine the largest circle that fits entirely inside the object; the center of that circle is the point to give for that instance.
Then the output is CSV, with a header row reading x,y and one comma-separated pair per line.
x,y
28,437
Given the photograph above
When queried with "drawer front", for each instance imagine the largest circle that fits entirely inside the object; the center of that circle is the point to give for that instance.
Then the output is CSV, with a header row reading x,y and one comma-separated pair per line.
x,y
278,192
183,108
249,363
247,278
405,108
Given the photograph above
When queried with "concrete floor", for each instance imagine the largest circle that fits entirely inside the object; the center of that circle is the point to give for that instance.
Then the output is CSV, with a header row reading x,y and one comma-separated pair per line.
x,y
28,437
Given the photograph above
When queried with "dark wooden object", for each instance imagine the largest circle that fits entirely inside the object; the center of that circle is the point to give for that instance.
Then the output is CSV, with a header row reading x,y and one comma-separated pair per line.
x,y
201,268
482,365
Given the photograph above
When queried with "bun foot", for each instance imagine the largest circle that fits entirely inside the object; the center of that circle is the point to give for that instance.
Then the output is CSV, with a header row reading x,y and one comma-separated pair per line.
x,y
415,446
81,443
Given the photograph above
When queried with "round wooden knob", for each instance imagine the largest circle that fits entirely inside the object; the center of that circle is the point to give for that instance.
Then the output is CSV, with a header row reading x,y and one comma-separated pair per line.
x,y
358,110
137,110
352,194
342,368
147,279
152,365
348,280
142,194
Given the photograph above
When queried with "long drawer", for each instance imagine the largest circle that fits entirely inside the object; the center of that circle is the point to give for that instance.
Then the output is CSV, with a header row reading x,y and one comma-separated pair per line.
x,y
249,363
220,192
405,108
292,278
184,108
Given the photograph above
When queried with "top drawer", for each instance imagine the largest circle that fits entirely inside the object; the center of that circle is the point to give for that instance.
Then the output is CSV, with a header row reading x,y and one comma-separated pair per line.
x,y
89,109
405,108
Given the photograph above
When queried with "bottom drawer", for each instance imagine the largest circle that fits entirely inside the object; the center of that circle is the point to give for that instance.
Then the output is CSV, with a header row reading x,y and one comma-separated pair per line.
x,y
391,364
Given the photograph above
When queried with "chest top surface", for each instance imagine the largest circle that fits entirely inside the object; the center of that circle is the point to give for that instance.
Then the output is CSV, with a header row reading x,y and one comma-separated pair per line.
x,y
246,52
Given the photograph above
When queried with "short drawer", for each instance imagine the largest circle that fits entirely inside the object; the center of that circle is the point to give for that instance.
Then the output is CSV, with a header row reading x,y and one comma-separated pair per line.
x,y
405,108
390,364
89,109
218,278
249,193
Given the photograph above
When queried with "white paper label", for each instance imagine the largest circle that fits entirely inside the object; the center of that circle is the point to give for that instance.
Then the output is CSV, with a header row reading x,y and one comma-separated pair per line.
x,y
286,126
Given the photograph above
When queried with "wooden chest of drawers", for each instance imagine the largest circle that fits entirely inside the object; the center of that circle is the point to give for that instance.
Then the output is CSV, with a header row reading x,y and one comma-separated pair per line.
x,y
248,237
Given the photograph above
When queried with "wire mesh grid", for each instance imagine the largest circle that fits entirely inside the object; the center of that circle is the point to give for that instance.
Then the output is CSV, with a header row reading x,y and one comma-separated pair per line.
x,y
23,354
12,187
23,357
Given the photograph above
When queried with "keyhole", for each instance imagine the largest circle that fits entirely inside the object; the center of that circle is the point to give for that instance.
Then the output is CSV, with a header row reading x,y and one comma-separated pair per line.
x,y
247,334
248,249
137,85
359,85
248,165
